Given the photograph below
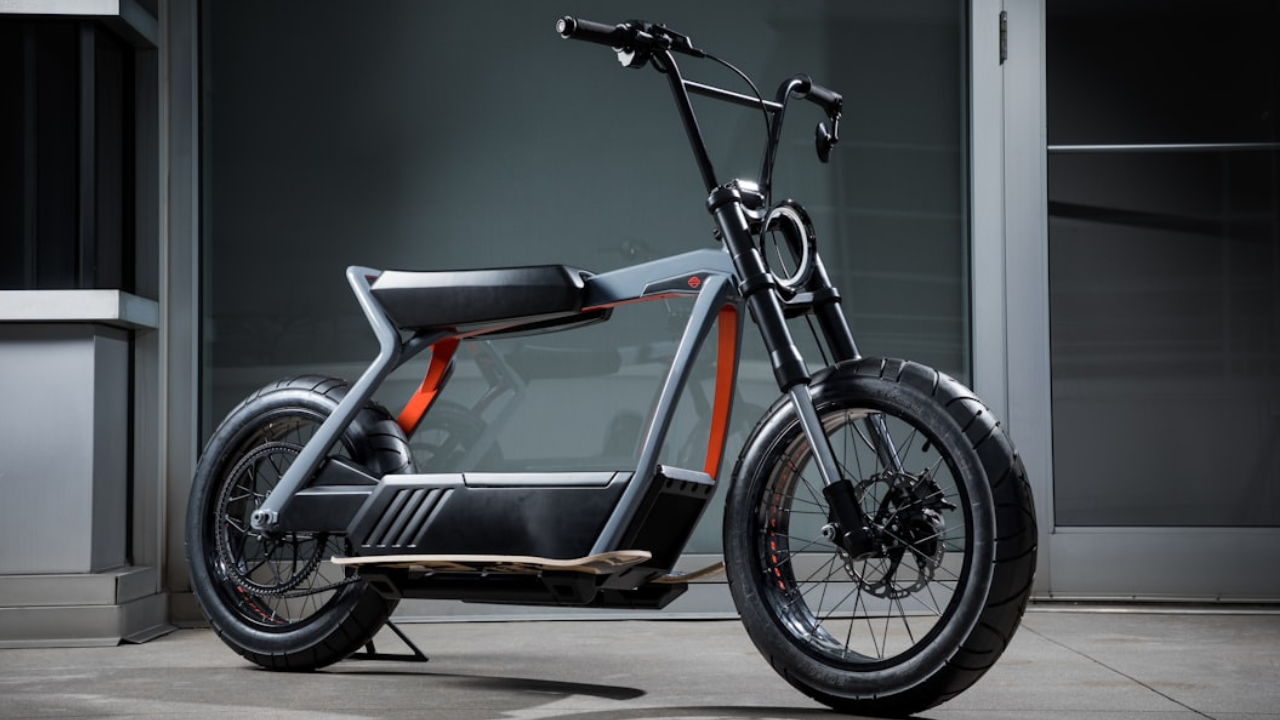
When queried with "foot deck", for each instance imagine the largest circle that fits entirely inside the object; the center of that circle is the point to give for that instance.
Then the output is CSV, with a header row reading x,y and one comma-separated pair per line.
x,y
709,572
601,564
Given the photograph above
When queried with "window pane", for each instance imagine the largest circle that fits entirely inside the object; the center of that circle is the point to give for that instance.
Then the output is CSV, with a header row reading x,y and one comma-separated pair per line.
x,y
1166,339
1179,71
66,175
336,138
1164,252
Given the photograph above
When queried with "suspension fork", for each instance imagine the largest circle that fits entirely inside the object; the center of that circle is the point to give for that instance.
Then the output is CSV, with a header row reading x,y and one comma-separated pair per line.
x,y
759,288
839,340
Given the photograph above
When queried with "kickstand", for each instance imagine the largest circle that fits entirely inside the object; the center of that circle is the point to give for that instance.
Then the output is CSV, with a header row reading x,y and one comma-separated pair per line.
x,y
371,653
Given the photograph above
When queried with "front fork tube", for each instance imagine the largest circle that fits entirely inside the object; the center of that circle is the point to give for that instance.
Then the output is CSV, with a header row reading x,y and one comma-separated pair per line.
x,y
835,330
849,524
849,527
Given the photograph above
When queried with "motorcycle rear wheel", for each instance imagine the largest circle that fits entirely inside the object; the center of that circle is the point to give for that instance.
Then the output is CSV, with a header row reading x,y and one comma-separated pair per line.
x,y
278,601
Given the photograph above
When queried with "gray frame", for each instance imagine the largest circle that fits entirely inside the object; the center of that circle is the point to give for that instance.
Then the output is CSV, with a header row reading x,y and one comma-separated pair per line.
x,y
647,281
177,348
1010,231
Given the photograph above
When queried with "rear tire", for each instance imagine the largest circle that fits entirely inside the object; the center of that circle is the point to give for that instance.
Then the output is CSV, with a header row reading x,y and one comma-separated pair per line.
x,y
279,601
926,616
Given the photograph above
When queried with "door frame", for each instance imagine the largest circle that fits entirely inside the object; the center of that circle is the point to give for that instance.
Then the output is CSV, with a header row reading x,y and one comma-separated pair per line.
x,y
1011,350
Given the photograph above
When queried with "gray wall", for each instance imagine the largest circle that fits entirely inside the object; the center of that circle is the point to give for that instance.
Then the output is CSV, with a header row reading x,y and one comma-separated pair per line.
x,y
65,469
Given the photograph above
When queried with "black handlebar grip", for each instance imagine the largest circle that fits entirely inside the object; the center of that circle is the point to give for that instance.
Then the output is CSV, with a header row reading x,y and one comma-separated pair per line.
x,y
830,100
574,29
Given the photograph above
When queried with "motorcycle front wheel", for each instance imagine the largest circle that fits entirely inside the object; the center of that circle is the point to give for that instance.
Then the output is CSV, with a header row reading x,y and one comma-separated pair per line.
x,y
926,613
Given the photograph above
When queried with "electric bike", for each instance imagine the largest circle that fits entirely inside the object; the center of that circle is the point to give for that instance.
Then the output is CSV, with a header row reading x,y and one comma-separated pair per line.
x,y
879,536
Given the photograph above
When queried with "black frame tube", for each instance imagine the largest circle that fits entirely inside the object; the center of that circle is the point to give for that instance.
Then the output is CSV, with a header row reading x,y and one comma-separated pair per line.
x,y
758,287
728,96
666,64
775,132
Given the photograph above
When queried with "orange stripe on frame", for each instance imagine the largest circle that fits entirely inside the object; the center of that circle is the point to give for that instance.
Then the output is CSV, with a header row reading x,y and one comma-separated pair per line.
x,y
416,408
726,363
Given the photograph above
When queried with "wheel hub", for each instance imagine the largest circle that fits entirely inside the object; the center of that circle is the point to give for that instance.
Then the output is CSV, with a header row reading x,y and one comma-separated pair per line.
x,y
907,526
265,564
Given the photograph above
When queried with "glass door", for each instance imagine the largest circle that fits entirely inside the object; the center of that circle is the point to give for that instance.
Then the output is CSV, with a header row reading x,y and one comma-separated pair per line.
x,y
1164,283
1139,289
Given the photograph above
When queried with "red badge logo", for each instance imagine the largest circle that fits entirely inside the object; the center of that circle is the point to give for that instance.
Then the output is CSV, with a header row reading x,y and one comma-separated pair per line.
x,y
695,282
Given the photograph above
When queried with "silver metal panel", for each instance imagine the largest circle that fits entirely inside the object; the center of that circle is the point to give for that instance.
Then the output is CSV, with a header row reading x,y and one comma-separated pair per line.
x,y
106,588
1164,148
1026,259
110,481
61,7
179,349
990,346
148,484
63,448
83,625
148,398
46,448
110,307
1167,563
127,17
1010,230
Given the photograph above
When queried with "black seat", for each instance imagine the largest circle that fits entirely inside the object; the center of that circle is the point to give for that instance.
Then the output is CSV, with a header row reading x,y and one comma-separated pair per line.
x,y
454,299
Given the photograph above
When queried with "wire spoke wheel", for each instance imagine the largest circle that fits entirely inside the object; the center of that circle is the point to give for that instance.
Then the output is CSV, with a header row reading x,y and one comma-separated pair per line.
x,y
273,581
277,598
929,607
866,610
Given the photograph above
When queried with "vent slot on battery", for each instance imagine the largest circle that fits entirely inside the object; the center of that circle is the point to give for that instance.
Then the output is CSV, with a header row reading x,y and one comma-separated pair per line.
x,y
406,516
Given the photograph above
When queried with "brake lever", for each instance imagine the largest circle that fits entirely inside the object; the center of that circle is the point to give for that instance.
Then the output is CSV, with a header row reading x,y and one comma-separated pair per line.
x,y
677,42
647,37
636,56
825,140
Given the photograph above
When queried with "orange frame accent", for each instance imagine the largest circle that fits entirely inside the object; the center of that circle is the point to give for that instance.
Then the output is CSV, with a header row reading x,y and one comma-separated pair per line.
x,y
416,408
726,366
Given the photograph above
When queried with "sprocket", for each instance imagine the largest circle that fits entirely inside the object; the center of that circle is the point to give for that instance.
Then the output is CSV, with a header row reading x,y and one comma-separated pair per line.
x,y
261,564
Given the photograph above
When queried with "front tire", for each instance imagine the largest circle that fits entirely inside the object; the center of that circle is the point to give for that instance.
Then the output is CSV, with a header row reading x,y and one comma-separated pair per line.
x,y
922,618
279,602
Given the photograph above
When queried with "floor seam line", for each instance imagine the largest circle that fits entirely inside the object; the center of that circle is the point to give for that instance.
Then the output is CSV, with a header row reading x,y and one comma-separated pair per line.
x,y
1121,673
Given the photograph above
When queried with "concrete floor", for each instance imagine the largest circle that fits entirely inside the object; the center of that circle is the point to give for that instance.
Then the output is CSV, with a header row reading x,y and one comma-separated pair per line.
x,y
1062,665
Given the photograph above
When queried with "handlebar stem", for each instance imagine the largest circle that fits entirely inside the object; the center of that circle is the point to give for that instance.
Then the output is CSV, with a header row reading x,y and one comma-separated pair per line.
x,y
798,84
666,64
758,287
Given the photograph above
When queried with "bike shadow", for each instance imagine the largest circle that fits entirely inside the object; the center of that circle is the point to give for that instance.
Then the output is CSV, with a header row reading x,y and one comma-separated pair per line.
x,y
513,695
505,684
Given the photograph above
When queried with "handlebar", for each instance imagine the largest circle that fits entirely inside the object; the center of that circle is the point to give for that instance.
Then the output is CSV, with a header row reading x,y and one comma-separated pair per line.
x,y
636,36
643,37
572,28
829,100
636,42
